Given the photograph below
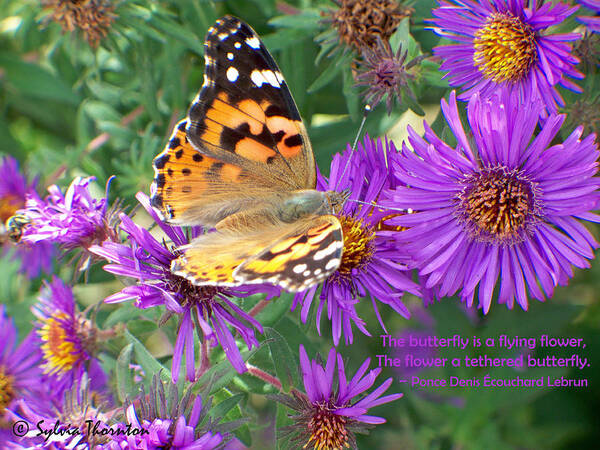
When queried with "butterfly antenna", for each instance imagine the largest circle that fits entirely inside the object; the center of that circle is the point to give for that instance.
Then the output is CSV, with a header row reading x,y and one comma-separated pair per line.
x,y
374,205
362,124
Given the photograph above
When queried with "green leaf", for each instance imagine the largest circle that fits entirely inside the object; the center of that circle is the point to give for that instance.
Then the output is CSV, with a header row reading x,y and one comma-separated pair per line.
x,y
100,111
351,94
275,310
219,411
307,20
123,314
223,372
283,359
180,33
34,81
148,362
430,72
333,70
126,387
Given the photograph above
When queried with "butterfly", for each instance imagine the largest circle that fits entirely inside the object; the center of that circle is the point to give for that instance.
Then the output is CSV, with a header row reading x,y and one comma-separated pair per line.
x,y
241,162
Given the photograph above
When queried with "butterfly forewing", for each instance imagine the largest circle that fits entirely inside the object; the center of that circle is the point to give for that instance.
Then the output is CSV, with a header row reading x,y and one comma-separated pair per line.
x,y
245,114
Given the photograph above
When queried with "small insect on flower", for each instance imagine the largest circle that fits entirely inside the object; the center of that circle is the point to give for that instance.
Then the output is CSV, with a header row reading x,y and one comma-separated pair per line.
x,y
503,45
15,226
14,188
333,409
75,219
501,208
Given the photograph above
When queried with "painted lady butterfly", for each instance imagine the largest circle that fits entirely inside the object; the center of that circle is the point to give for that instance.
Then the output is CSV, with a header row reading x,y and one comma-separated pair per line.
x,y
241,162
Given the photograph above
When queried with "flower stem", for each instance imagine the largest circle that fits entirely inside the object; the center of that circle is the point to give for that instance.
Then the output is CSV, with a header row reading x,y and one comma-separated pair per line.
x,y
259,373
259,307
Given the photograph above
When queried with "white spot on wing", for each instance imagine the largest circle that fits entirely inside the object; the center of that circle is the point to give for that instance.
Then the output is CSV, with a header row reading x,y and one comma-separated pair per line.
x,y
237,45
230,56
332,264
222,36
300,268
306,273
271,78
265,76
253,42
232,74
331,248
257,78
279,77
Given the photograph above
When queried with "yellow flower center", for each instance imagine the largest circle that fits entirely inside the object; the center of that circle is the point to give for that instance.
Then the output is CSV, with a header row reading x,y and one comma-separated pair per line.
x,y
60,354
327,431
6,389
505,48
499,205
358,245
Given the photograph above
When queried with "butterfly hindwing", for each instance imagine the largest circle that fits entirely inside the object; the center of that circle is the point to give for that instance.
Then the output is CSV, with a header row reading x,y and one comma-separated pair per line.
x,y
245,113
294,256
306,256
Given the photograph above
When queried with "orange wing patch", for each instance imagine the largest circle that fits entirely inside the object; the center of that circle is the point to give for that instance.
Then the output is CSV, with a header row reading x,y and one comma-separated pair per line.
x,y
180,170
202,268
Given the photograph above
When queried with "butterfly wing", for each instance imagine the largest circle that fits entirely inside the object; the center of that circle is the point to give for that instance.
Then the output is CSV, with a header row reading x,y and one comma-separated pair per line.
x,y
307,255
294,256
245,113
190,187
243,139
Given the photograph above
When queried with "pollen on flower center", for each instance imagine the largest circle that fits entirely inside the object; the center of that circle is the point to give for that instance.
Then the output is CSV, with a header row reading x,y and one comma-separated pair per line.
x,y
327,431
6,389
505,48
499,205
60,354
189,293
358,244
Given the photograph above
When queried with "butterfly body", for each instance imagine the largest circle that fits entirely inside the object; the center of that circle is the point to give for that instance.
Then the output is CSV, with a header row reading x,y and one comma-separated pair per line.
x,y
241,163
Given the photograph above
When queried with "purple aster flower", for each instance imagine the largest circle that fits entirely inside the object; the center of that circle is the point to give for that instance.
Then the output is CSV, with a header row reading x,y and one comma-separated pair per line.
x,y
329,413
372,262
68,338
74,219
502,207
149,261
19,371
501,46
173,424
13,191
592,23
